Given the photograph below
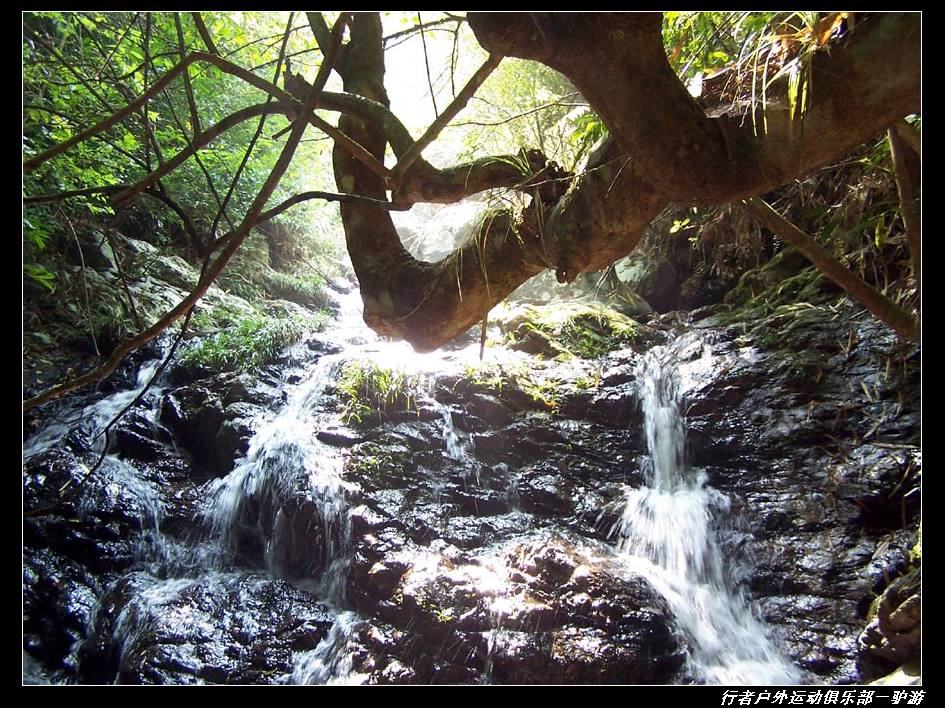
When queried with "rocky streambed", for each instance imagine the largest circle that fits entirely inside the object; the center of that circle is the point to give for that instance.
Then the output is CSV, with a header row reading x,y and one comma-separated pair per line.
x,y
242,529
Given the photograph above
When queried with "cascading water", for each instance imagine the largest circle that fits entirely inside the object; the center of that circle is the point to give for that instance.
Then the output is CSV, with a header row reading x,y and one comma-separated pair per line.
x,y
667,534
262,488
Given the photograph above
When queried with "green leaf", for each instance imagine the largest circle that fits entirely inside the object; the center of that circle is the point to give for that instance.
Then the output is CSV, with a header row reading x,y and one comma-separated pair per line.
x,y
41,275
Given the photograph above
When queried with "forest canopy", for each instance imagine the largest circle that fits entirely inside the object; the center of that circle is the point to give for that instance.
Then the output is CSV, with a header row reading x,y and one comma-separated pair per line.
x,y
582,128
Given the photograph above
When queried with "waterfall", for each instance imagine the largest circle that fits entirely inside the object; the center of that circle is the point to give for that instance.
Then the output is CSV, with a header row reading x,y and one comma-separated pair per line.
x,y
667,533
261,492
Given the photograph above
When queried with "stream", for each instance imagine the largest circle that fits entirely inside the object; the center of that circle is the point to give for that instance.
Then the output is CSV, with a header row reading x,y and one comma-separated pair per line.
x,y
479,538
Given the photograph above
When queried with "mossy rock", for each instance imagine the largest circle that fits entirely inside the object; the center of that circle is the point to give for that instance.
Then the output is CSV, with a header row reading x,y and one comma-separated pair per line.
x,y
566,330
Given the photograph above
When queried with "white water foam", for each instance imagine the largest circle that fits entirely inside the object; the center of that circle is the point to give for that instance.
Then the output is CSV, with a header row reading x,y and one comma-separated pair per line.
x,y
667,535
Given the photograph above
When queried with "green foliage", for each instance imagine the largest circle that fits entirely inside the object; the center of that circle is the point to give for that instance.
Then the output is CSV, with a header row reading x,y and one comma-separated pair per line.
x,y
40,274
249,341
587,129
369,392
80,67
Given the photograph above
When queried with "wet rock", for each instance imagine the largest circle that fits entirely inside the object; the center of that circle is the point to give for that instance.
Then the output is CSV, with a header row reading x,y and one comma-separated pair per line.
x,y
489,409
96,523
702,288
131,443
216,629
212,421
59,598
339,436
543,612
821,471
653,277
91,249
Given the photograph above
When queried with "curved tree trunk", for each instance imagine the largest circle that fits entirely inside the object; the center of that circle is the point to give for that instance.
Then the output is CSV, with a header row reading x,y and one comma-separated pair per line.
x,y
663,148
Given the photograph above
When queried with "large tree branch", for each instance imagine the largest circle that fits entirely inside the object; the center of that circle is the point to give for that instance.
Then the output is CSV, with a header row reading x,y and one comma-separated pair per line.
x,y
430,303
663,148
861,85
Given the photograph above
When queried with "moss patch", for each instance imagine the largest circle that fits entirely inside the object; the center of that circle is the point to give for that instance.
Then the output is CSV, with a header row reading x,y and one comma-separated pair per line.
x,y
519,384
567,330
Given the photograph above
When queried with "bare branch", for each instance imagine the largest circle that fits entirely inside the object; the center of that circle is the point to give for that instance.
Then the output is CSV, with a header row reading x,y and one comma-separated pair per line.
x,y
85,283
270,214
121,39
259,129
228,67
426,61
123,279
516,116
482,73
90,191
188,89
429,25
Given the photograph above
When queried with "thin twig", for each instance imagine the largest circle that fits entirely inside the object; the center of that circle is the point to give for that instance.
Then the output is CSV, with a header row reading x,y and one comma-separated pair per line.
x,y
206,173
85,283
308,196
553,104
188,89
454,55
123,280
121,39
59,196
259,129
482,73
412,30
204,138
145,119
72,70
426,60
